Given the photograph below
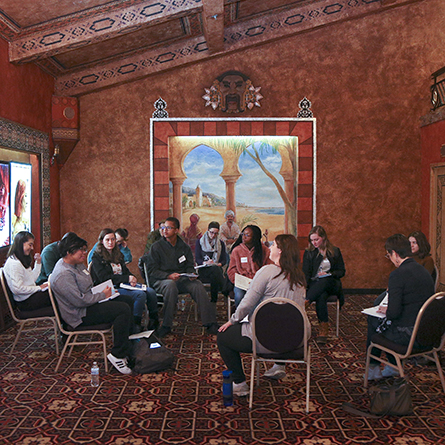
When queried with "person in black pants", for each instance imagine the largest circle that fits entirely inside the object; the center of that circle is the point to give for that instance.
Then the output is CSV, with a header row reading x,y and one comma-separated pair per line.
x,y
323,266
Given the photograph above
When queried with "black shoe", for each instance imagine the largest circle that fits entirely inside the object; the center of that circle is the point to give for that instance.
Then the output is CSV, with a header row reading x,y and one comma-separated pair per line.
x,y
163,331
153,325
212,329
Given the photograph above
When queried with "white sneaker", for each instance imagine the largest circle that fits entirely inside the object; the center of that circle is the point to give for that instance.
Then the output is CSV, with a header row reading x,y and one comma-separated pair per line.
x,y
119,363
277,372
241,389
374,372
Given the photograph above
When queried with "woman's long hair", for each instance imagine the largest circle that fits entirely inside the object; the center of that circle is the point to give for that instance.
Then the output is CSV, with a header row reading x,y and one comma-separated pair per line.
x,y
422,242
321,232
290,260
257,256
16,248
115,256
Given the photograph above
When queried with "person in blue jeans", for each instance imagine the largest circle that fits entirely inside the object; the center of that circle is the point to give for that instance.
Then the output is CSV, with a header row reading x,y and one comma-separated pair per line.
x,y
108,263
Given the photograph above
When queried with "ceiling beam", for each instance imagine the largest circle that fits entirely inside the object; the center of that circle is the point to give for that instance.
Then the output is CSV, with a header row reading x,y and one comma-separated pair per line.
x,y
99,27
213,22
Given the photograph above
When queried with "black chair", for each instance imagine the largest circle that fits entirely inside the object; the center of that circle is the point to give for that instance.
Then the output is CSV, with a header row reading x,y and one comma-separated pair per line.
x,y
427,339
280,326
73,334
22,318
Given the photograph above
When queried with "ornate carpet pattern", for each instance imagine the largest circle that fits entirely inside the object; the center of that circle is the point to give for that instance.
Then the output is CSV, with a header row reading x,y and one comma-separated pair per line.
x,y
184,405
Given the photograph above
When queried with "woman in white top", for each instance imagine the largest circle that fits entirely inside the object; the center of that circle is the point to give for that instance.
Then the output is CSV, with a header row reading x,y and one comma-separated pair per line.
x,y
283,279
21,277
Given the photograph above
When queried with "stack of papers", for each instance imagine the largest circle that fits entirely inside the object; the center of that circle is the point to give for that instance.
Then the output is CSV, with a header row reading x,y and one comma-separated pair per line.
x,y
242,282
100,288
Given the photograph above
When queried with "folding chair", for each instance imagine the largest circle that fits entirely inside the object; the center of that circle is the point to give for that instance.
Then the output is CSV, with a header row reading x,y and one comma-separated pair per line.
x,y
427,339
23,317
280,326
73,333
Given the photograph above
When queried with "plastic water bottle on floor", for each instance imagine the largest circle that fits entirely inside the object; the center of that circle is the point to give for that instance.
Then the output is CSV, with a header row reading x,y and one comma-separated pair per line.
x,y
181,305
95,375
227,388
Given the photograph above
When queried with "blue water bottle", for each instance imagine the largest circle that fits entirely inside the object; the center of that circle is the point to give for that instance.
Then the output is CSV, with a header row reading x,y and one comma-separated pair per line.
x,y
227,388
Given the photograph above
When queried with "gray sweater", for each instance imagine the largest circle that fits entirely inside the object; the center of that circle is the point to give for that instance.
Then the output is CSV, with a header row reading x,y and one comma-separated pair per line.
x,y
265,286
72,285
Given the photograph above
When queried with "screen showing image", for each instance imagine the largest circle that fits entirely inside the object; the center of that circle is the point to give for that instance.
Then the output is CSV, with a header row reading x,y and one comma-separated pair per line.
x,y
20,198
4,204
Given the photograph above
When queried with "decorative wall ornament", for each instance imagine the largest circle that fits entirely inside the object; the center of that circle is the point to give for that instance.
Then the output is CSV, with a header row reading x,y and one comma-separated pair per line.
x,y
232,92
161,112
305,111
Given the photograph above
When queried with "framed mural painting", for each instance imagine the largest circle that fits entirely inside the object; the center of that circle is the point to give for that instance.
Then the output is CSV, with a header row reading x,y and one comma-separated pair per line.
x,y
20,186
262,169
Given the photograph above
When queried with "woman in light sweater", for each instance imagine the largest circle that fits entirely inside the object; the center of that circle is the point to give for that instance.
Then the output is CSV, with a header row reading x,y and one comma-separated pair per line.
x,y
21,277
283,279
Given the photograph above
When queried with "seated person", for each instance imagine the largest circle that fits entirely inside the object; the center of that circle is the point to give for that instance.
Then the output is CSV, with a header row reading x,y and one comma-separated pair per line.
x,y
168,259
230,230
21,278
420,249
153,236
50,255
108,264
323,267
211,251
248,256
71,283
121,241
284,278
409,286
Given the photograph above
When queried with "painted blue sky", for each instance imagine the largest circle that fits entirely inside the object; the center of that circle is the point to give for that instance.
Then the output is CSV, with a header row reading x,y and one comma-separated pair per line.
x,y
203,166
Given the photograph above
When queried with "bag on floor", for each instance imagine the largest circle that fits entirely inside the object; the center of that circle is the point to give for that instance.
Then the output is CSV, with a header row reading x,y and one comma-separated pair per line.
x,y
150,355
390,397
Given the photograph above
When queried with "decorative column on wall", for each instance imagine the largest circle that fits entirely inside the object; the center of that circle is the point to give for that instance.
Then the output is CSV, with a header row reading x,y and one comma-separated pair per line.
x,y
65,123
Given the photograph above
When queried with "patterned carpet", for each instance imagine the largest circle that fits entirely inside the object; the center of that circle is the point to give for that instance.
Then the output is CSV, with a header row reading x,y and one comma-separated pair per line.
x,y
184,406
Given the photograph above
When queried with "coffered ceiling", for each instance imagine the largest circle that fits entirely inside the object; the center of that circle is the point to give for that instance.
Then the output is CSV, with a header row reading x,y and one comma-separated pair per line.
x,y
92,44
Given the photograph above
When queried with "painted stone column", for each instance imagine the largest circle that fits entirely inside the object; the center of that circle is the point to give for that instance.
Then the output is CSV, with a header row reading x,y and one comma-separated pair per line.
x,y
230,181
177,196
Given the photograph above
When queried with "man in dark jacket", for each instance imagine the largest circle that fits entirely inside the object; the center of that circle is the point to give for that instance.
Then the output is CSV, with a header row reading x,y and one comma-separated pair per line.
x,y
170,267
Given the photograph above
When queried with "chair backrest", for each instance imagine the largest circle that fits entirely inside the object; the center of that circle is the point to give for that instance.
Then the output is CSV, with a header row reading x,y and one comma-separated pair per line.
x,y
430,323
56,308
435,276
280,325
9,297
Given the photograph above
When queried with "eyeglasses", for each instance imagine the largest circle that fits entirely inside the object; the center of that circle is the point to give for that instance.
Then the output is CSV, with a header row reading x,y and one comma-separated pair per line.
x,y
169,228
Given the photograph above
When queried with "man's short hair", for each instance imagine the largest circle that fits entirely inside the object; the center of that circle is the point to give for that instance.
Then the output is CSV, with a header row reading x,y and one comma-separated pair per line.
x,y
174,220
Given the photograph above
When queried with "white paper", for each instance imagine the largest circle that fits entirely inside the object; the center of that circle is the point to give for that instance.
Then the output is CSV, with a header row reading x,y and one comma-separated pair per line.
x,y
130,287
373,311
242,282
101,287
143,334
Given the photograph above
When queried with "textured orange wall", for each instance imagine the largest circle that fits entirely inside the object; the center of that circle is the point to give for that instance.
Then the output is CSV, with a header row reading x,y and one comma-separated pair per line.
x,y
25,98
368,80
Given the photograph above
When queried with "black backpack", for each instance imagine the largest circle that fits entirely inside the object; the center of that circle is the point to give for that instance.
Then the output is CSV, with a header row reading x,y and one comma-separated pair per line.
x,y
150,355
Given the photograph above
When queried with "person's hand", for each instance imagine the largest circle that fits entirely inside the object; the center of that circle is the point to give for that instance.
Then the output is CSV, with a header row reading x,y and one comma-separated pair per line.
x,y
224,326
382,309
133,280
124,243
107,292
174,276
44,286
37,258
209,262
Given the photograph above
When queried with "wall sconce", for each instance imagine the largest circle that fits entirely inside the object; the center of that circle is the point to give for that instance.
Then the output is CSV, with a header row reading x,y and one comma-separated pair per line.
x,y
55,155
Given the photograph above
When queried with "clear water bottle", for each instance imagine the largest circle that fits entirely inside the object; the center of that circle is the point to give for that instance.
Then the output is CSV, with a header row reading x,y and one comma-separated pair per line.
x,y
227,388
95,375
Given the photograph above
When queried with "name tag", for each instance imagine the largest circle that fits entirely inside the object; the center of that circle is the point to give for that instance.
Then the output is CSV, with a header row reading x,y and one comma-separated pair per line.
x,y
181,259
244,259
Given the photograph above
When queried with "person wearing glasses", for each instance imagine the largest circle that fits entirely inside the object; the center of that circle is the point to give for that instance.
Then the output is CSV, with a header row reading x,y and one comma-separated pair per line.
x,y
79,306
248,256
171,270
409,286
210,254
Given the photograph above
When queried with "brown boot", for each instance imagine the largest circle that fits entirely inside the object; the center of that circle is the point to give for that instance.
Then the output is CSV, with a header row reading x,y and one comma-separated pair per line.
x,y
323,332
